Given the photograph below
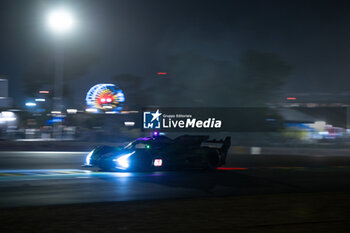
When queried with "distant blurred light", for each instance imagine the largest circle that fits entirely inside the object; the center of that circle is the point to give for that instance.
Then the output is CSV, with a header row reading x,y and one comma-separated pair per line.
x,y
30,104
40,100
55,120
7,116
60,20
162,73
129,123
56,112
92,110
323,133
320,124
72,111
44,92
291,98
128,112
111,112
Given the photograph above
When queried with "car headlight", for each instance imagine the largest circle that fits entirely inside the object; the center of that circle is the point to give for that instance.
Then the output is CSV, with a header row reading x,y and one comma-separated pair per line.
x,y
123,160
88,158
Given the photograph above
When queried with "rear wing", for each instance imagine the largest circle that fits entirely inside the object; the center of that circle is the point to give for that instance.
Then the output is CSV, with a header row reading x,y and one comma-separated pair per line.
x,y
226,143
223,150
223,145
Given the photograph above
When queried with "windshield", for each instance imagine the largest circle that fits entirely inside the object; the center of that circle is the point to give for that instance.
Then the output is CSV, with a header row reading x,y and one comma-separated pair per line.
x,y
138,145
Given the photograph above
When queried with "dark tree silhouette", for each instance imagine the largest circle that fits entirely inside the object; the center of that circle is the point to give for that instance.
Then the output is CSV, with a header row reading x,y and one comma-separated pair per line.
x,y
196,80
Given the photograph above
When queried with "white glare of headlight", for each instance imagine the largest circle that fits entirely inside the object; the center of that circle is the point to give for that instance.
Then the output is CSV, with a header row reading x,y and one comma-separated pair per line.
x,y
88,158
123,161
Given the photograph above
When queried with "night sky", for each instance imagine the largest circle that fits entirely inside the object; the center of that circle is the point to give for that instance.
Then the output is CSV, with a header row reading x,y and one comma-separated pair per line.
x,y
137,36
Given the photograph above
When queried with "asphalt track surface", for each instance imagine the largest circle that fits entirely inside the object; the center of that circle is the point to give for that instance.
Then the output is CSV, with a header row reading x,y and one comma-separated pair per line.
x,y
49,178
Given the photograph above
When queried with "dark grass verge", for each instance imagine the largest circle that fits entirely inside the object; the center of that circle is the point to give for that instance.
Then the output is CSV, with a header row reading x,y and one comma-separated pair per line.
x,y
300,212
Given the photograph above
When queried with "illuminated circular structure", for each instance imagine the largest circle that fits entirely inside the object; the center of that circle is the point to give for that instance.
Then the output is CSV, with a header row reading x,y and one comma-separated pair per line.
x,y
105,97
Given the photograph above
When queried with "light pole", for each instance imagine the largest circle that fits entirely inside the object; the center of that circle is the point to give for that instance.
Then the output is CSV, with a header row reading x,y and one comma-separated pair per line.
x,y
60,21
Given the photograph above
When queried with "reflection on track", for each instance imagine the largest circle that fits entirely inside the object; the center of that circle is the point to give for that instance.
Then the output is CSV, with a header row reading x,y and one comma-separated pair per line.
x,y
42,174
66,186
69,173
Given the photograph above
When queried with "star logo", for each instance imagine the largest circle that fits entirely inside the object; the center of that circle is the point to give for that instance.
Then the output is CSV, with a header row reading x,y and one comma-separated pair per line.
x,y
151,120
156,115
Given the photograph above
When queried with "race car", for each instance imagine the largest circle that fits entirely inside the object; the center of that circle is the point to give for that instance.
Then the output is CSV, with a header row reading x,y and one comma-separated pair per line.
x,y
161,153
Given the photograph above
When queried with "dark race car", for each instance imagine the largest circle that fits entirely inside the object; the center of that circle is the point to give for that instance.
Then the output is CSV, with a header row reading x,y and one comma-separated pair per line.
x,y
161,153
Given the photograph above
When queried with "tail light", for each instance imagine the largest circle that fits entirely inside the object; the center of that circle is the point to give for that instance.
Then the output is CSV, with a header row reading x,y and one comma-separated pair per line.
x,y
158,162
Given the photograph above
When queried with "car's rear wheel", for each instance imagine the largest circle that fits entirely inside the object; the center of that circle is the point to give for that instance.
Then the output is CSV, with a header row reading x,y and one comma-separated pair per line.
x,y
213,160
